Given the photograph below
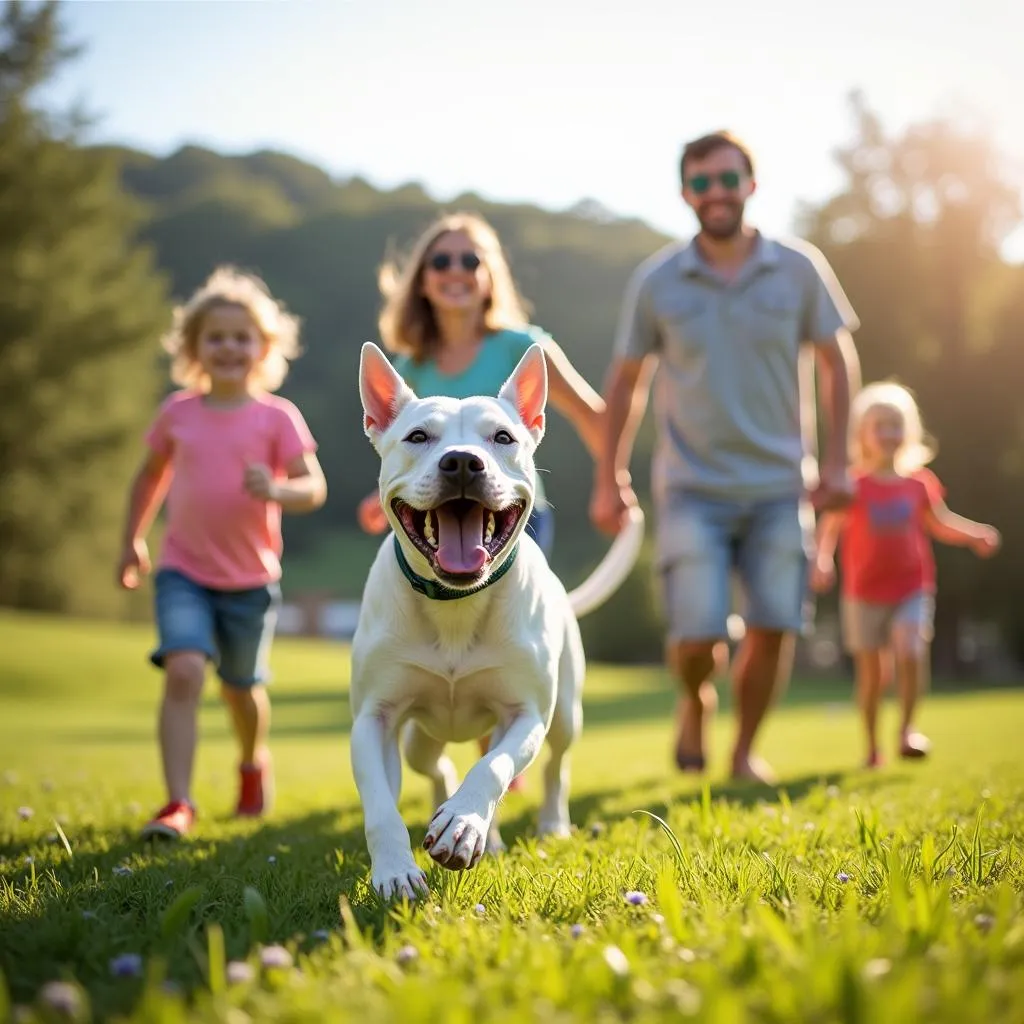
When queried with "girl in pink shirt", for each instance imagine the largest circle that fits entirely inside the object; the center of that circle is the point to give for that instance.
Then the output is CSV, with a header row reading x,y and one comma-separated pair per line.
x,y
887,596
229,456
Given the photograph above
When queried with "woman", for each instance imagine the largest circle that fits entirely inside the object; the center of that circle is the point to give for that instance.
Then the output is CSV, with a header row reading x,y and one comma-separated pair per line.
x,y
457,326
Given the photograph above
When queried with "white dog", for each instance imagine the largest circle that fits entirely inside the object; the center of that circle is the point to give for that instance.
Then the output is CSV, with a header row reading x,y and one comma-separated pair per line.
x,y
464,629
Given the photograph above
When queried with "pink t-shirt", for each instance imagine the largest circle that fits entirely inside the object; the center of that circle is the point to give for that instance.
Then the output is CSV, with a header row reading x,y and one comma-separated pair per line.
x,y
217,534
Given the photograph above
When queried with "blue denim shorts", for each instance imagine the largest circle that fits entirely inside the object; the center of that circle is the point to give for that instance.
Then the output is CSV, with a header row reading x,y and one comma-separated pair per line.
x,y
233,628
765,545
541,527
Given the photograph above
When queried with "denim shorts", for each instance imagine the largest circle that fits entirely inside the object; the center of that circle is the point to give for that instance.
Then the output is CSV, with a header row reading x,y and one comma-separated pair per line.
x,y
233,628
541,527
765,545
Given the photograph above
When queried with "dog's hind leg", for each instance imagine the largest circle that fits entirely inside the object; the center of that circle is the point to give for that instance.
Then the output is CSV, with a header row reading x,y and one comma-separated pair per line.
x,y
426,756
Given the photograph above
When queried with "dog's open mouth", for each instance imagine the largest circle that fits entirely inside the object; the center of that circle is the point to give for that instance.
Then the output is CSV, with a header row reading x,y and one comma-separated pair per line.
x,y
461,536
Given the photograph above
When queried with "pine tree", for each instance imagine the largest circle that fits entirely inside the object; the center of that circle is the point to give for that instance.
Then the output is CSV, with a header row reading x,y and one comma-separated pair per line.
x,y
81,308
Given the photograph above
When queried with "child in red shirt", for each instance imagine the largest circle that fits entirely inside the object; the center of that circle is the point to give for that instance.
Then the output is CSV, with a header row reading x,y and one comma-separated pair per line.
x,y
888,571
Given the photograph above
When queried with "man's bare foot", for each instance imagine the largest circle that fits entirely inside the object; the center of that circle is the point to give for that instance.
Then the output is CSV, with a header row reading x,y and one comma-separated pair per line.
x,y
874,760
691,715
752,769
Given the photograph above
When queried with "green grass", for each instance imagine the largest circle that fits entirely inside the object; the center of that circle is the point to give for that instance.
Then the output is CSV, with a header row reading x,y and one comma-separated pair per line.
x,y
840,896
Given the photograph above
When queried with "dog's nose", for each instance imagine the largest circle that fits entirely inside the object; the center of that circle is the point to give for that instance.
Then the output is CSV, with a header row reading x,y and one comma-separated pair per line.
x,y
461,466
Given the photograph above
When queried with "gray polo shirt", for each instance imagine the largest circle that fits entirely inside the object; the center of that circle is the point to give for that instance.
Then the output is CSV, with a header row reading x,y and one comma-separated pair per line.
x,y
727,400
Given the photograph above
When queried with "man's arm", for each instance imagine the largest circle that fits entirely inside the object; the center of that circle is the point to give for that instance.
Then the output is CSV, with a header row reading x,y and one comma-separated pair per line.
x,y
626,391
839,378
627,387
828,323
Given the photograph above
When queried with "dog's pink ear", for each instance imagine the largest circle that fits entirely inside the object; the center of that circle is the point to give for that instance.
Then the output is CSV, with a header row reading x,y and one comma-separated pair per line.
x,y
527,390
382,390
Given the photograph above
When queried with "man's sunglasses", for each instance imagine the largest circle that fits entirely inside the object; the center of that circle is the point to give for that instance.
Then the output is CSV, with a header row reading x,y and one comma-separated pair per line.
x,y
700,183
442,261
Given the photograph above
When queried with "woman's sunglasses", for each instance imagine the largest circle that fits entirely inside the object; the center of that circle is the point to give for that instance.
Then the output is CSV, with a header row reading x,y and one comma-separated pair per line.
x,y
700,183
442,261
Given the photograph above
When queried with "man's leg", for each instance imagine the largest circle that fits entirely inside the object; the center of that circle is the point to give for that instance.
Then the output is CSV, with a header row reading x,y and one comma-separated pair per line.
x,y
696,595
760,671
773,563
692,664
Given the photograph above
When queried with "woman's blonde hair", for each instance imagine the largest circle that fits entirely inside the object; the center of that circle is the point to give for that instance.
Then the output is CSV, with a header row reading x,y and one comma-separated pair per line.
x,y
228,286
407,324
917,449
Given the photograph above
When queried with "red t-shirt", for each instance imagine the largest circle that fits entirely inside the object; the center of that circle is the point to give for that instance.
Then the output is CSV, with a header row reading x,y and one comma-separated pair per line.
x,y
885,551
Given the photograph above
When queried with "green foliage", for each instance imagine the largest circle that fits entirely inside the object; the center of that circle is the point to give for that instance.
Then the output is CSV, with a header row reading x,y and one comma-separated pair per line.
x,y
80,308
842,896
912,234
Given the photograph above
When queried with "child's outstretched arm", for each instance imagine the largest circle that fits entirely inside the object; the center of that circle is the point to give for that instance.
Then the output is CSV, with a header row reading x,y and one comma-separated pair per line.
x,y
949,528
305,490
148,490
823,571
574,398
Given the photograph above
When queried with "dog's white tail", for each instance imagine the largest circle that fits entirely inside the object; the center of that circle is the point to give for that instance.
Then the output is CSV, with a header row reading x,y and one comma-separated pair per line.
x,y
611,572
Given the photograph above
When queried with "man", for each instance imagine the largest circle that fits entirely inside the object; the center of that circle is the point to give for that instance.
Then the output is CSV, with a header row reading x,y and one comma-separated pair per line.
x,y
723,321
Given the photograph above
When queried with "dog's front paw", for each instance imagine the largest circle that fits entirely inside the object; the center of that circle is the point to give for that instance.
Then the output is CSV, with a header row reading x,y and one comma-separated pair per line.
x,y
394,878
456,840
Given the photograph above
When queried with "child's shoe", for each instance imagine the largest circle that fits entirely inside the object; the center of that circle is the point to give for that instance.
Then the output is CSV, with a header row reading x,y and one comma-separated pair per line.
x,y
171,822
255,790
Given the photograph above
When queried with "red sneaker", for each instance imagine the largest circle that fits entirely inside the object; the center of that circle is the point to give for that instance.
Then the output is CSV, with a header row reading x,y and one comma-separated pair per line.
x,y
255,788
171,822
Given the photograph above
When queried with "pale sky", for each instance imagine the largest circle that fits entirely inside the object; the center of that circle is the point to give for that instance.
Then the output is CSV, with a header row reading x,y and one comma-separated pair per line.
x,y
546,102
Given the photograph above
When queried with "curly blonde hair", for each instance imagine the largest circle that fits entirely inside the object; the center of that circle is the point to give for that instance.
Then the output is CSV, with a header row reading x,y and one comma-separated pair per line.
x,y
917,450
228,286
407,324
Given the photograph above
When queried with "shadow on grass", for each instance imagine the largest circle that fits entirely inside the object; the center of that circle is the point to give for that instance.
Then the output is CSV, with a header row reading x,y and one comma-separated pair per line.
x,y
111,897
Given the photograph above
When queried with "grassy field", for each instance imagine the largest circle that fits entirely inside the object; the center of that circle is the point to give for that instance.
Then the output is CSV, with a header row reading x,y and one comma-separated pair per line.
x,y
840,896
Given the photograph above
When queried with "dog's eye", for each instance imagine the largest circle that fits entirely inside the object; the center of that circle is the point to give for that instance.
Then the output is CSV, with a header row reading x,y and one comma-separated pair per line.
x,y
504,437
417,436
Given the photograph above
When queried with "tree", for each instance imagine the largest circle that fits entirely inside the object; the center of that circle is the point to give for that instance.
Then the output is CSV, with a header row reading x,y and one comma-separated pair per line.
x,y
915,235
81,309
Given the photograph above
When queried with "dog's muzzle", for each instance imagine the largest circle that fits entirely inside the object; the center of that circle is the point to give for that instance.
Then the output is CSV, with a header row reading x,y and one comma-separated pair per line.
x,y
463,532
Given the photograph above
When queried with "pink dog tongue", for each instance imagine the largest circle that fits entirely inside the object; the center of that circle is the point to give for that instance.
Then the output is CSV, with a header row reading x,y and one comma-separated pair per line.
x,y
459,541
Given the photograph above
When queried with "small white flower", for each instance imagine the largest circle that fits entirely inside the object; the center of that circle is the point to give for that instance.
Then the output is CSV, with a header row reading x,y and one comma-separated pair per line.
x,y
616,960
63,997
877,968
275,956
239,972
407,954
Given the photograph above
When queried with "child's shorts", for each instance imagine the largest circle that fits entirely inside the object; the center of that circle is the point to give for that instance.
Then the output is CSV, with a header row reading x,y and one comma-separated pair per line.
x,y
869,626
233,628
